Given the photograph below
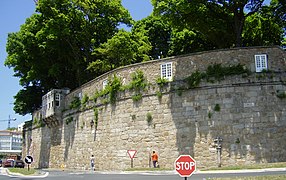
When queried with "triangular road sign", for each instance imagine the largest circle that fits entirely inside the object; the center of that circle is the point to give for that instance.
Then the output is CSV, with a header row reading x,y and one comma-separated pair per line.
x,y
131,153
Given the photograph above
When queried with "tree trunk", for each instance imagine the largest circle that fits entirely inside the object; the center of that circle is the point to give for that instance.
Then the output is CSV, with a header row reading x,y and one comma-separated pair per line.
x,y
239,20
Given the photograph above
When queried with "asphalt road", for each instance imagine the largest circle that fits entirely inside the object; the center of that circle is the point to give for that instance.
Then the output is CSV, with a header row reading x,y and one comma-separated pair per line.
x,y
59,175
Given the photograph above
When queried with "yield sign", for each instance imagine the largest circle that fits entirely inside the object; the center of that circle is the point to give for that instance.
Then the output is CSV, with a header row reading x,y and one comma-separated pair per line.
x,y
131,153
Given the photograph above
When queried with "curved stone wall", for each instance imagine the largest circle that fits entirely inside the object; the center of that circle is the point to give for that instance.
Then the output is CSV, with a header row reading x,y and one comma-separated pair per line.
x,y
244,111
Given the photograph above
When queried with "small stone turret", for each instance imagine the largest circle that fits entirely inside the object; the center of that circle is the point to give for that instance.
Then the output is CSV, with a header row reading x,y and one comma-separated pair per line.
x,y
52,106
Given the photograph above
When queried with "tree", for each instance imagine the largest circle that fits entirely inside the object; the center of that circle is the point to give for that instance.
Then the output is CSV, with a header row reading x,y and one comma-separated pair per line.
x,y
124,48
262,29
158,33
188,41
167,40
221,21
54,46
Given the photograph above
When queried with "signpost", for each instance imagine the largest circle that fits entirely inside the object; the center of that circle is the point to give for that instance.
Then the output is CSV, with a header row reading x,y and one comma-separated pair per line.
x,y
131,154
185,165
29,160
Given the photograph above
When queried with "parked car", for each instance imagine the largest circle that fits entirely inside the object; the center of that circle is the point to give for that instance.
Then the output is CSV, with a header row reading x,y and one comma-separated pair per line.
x,y
19,164
8,163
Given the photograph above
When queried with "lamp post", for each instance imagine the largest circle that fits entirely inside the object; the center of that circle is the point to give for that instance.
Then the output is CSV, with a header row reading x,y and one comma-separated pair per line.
x,y
218,141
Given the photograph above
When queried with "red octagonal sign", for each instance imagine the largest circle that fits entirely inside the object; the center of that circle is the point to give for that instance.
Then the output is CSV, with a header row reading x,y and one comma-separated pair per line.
x,y
185,165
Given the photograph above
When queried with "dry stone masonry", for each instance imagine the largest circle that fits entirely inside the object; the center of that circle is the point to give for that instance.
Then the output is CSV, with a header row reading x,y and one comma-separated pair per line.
x,y
237,119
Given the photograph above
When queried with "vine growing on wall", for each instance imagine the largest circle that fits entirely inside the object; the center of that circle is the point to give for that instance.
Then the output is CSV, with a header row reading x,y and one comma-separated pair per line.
x,y
84,101
215,72
95,110
38,122
149,118
69,120
218,72
194,79
113,87
137,84
75,103
161,82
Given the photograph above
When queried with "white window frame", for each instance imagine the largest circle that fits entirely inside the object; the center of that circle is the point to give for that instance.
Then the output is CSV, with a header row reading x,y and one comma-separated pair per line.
x,y
261,62
167,71
58,99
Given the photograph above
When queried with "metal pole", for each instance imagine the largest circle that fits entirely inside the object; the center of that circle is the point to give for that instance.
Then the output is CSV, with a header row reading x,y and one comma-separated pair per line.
x,y
186,178
131,162
9,122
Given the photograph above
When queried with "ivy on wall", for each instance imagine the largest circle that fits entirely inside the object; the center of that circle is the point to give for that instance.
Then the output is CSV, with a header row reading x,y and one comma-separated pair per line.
x,y
137,84
215,72
75,103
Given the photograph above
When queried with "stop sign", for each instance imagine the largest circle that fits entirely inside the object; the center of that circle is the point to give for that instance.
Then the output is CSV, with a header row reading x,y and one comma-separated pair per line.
x,y
185,165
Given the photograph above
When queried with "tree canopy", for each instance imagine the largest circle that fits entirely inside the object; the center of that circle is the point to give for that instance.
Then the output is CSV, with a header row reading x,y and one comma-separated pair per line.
x,y
55,45
66,43
220,21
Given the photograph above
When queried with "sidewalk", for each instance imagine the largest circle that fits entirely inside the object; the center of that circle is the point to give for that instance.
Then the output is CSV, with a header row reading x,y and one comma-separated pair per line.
x,y
240,171
45,172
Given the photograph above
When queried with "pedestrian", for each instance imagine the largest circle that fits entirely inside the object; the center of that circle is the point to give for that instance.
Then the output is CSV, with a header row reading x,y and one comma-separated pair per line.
x,y
92,163
155,159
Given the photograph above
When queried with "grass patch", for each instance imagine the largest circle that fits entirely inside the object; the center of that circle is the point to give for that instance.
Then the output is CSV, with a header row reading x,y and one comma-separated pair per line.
x,y
23,171
251,166
271,177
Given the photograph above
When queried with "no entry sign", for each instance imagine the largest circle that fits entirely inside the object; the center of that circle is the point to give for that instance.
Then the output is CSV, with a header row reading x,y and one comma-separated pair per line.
x,y
185,165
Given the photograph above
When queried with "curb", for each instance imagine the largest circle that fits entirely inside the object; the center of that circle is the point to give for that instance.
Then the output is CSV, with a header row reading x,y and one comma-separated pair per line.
x,y
15,175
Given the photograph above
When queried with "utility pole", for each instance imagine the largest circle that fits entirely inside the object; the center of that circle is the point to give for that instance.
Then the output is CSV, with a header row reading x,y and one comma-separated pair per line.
x,y
9,121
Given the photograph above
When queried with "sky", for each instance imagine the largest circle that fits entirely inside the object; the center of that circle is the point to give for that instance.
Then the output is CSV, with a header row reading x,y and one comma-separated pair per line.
x,y
13,14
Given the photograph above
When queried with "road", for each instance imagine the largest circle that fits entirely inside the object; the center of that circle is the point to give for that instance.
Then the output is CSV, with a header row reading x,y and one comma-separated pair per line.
x,y
59,175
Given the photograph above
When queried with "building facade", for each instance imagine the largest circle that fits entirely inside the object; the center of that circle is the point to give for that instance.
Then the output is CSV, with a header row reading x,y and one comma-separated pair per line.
x,y
10,142
221,107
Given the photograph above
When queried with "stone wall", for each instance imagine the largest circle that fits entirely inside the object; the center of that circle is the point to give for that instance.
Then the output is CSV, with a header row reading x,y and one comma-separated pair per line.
x,y
244,111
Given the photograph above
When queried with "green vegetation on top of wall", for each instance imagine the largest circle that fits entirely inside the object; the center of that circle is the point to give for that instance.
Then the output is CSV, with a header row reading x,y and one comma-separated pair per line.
x,y
137,84
218,72
75,103
38,123
194,79
84,100
113,87
161,82
215,72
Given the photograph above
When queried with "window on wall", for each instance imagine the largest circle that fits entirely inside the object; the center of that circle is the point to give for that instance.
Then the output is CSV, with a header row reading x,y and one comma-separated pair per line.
x,y
260,62
57,99
166,71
